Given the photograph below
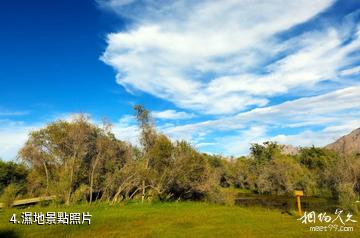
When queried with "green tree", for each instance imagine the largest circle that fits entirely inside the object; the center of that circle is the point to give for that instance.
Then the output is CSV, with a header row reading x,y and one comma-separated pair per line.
x,y
12,173
147,139
315,157
67,157
193,177
264,153
282,175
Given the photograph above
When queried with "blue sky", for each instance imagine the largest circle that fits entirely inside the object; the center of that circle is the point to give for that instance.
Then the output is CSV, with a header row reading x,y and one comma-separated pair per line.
x,y
221,74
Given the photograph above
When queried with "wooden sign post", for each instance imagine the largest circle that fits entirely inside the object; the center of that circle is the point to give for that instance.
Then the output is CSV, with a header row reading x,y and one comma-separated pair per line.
x,y
298,194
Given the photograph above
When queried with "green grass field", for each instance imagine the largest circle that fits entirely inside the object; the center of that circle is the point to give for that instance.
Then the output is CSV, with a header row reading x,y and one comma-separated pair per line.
x,y
184,219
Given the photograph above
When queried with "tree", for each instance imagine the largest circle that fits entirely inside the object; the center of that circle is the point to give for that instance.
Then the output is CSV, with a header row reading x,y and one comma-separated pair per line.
x,y
343,173
146,125
147,139
68,157
12,173
264,153
108,149
282,175
193,177
244,173
161,162
37,153
315,157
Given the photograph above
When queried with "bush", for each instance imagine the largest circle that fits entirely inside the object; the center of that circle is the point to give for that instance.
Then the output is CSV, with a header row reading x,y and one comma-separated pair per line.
x,y
11,172
80,194
347,197
282,175
10,194
223,196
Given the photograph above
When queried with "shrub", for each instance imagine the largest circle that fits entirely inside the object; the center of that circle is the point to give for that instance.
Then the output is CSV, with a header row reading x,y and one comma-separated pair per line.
x,y
80,194
347,197
10,194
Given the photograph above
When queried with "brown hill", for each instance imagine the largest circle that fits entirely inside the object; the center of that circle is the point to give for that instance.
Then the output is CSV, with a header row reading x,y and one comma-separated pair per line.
x,y
289,150
348,144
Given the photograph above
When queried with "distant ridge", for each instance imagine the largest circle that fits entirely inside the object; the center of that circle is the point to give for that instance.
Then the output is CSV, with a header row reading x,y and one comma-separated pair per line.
x,y
289,150
348,144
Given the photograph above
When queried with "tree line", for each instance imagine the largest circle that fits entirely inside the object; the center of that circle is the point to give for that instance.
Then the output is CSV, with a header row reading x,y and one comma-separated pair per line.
x,y
80,161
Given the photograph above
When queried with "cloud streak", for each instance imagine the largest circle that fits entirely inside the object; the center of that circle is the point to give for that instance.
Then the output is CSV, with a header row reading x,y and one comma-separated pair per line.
x,y
206,56
232,72
336,113
172,115
268,68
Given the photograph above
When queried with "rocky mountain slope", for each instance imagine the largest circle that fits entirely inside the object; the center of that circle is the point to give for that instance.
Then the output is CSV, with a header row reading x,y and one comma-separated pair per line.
x,y
289,150
348,144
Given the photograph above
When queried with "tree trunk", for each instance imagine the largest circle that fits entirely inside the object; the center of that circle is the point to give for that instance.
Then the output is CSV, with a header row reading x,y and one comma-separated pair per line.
x,y
92,178
47,178
91,185
132,195
70,185
143,191
120,189
122,186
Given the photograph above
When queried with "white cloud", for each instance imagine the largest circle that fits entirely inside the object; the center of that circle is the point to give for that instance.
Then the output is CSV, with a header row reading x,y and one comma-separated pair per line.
x,y
318,138
114,4
172,115
12,138
201,55
319,57
226,58
204,144
316,109
126,129
335,111
239,144
351,71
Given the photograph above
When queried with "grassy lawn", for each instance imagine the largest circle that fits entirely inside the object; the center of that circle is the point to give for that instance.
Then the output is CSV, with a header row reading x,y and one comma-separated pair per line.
x,y
168,220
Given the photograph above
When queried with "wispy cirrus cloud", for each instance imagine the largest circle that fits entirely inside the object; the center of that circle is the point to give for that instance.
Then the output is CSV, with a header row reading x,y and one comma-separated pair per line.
x,y
232,72
206,56
316,110
172,115
351,71
333,114
279,69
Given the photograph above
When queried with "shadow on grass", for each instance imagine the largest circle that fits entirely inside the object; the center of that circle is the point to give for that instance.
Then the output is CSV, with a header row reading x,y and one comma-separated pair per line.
x,y
9,234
